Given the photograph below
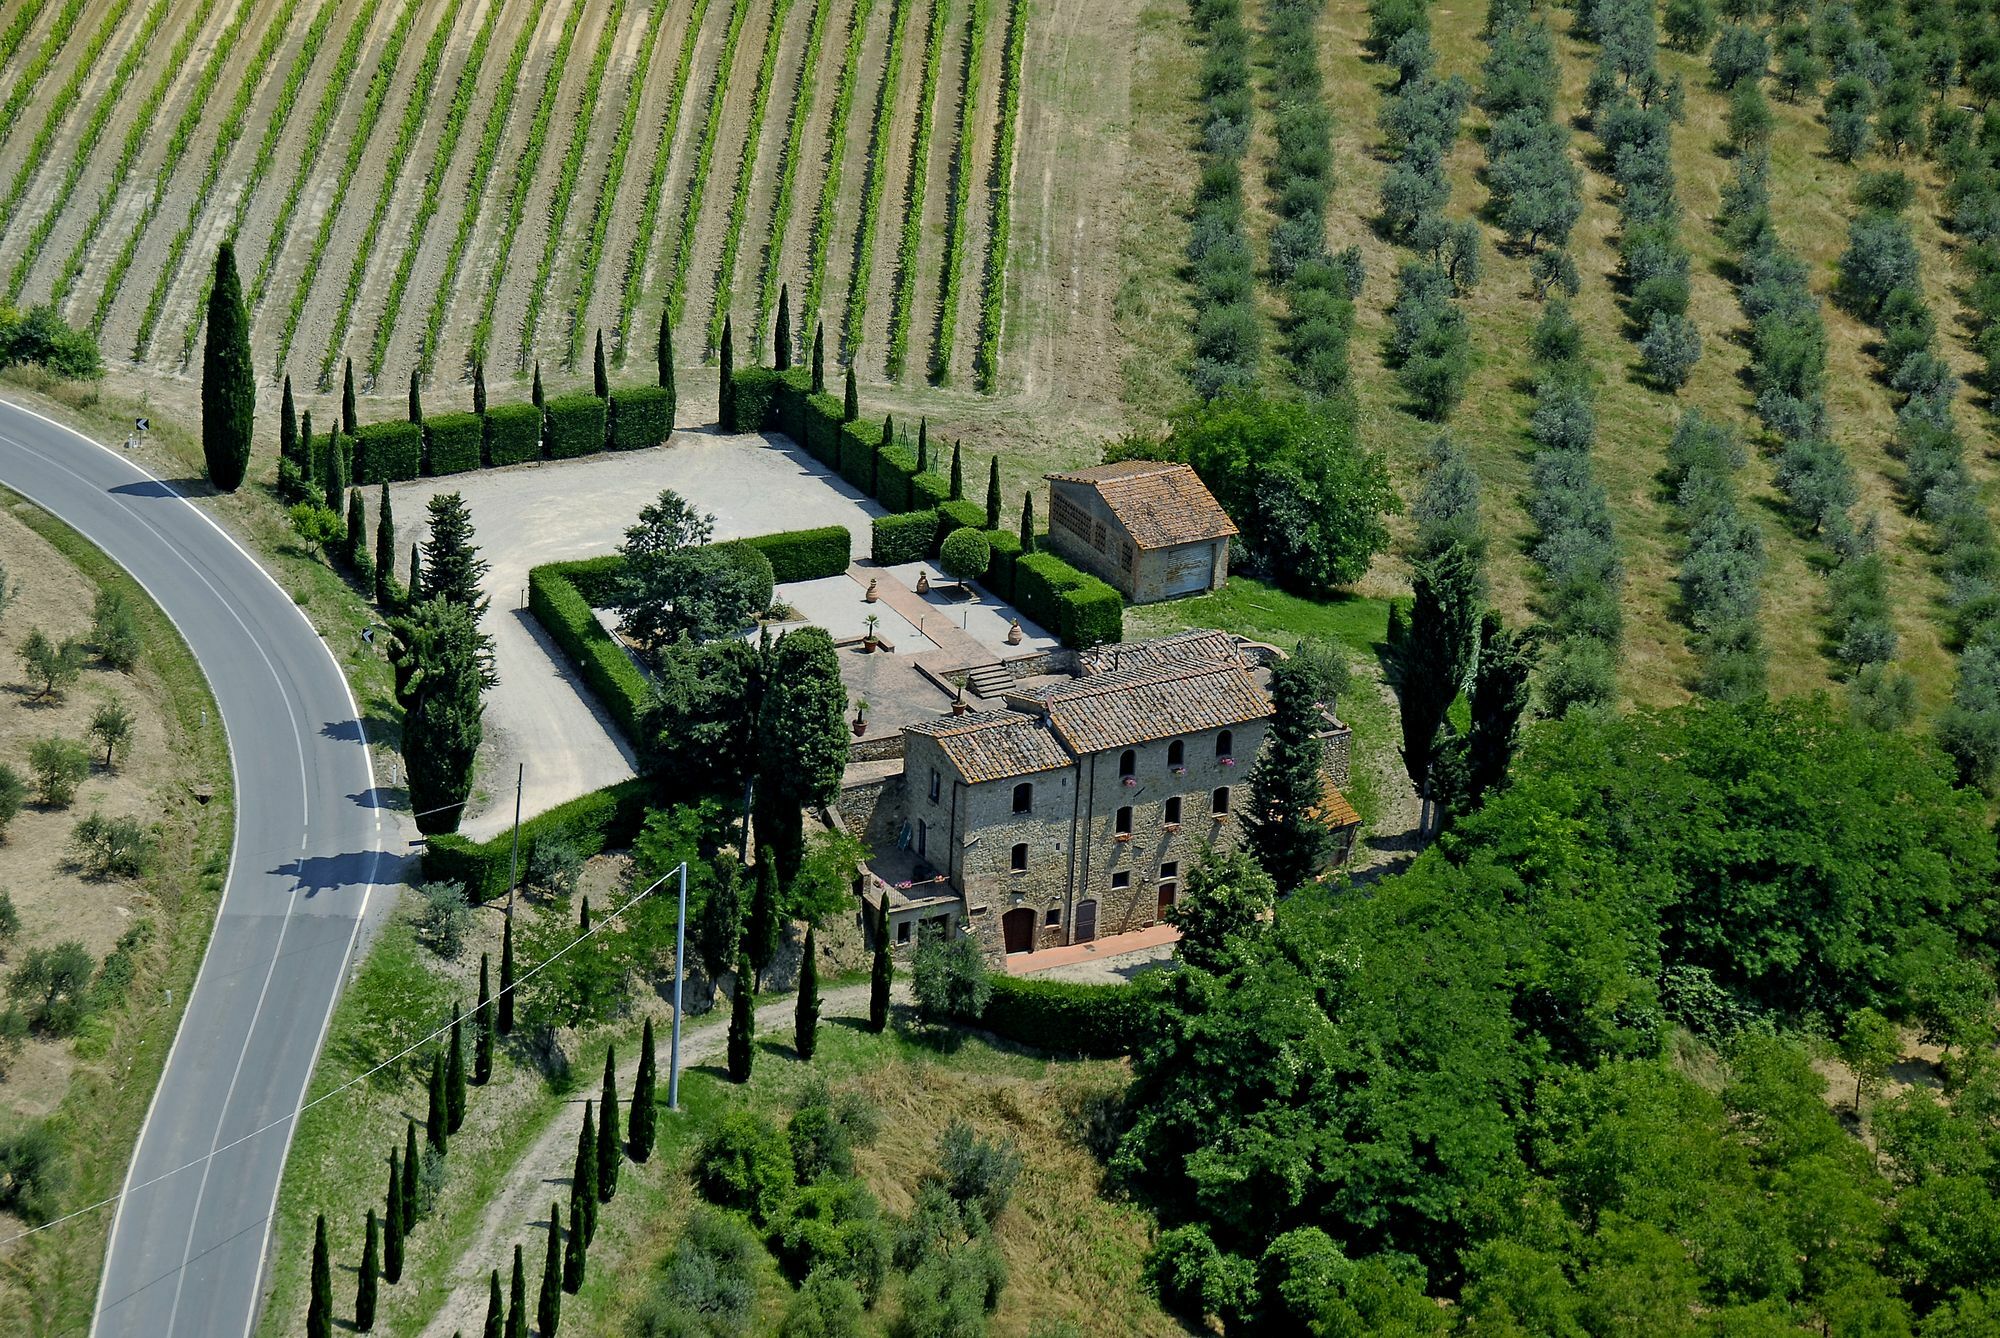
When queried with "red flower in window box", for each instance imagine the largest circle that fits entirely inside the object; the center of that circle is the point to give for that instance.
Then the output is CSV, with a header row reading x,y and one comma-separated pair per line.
x,y
1131,780
1227,761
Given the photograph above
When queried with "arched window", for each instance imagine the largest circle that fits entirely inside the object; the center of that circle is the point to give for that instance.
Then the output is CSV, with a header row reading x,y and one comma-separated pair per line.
x,y
1125,821
1219,801
1128,763
1225,744
1177,754
1173,816
1024,797
1019,857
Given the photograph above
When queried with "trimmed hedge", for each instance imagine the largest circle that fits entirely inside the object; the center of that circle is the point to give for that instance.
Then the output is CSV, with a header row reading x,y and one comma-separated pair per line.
x,y
893,472
1065,1017
907,537
963,514
1080,609
513,434
575,426
999,578
806,555
640,417
929,490
860,444
788,407
593,823
388,453
596,579
557,602
757,391
821,420
452,443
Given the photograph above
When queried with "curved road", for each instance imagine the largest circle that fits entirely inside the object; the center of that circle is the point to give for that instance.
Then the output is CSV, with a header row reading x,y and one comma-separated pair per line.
x,y
188,1241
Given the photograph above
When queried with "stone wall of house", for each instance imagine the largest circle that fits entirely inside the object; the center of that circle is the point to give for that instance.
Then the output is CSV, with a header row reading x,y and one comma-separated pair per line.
x,y
989,829
873,812
1164,573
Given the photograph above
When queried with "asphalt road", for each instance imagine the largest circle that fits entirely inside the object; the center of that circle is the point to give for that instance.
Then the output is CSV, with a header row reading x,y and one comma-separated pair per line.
x,y
188,1242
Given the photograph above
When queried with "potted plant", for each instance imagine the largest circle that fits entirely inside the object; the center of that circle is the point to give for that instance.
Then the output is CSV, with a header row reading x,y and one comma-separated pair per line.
x,y
869,641
860,717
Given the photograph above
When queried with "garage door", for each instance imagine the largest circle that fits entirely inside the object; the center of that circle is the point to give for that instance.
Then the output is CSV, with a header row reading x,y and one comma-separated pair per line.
x,y
1188,570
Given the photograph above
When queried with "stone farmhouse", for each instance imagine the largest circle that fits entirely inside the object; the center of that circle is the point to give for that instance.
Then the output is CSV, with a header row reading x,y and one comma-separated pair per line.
x,y
1074,808
1150,528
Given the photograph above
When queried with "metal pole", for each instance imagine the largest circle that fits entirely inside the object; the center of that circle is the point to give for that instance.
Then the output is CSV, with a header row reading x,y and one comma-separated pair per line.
x,y
680,956
514,860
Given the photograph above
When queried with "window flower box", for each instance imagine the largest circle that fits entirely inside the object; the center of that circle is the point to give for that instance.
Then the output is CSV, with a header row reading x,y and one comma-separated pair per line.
x,y
1123,837
1178,771
1227,761
1170,826
1131,781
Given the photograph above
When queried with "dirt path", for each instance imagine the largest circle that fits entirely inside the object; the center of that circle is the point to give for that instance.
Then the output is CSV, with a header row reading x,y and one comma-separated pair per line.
x,y
1389,843
520,1211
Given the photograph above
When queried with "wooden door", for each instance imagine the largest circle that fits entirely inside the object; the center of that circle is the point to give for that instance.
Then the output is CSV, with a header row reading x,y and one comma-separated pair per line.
x,y
1086,922
1018,927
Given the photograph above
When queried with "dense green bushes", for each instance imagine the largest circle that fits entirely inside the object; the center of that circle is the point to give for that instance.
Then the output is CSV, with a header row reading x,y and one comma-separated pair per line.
x,y
513,434
1319,292
909,537
806,555
1080,609
1723,562
756,400
641,416
589,824
453,443
40,337
574,426
388,452
860,444
1067,1018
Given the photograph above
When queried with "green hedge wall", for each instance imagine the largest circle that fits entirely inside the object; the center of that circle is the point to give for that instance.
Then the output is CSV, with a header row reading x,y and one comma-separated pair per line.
x,y
388,453
596,579
821,420
929,490
575,426
1068,1018
860,443
556,601
907,537
593,823
806,555
960,515
757,390
999,577
788,411
513,434
641,417
452,442
893,472
1080,609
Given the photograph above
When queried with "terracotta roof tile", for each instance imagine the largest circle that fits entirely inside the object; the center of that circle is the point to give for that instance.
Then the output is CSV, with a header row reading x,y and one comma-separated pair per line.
x,y
1160,503
993,745
1333,805
1197,646
1118,709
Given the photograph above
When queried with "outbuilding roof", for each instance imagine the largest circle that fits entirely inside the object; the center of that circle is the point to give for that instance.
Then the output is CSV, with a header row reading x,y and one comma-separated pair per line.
x,y
1196,646
993,745
1130,706
1160,503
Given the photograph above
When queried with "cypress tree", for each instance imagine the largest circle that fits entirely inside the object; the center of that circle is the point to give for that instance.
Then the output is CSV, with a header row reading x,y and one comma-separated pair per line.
x,y
1285,823
639,1125
416,398
608,1138
228,382
482,1040
548,1303
436,1116
583,1176
1499,696
601,380
347,419
850,408
392,1221
308,458
357,527
454,1081
517,1301
583,921
665,353
495,1313
416,574
1432,661
506,1018
781,351
957,471
993,494
760,929
479,386
1027,523
805,1029
364,1287
535,395
574,1255
819,358
884,971
288,426
923,444
319,1308
385,547
726,390
409,1177
336,473
741,1025
888,430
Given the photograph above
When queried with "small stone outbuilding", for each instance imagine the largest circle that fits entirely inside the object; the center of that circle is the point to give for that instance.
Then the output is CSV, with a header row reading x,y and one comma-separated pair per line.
x,y
1150,528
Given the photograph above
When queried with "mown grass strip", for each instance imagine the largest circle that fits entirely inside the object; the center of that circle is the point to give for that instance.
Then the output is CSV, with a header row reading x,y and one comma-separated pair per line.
x,y
415,113
475,187
649,208
371,111
788,179
565,191
93,131
903,293
875,182
177,146
732,238
704,159
517,198
614,176
961,195
267,154
318,134
226,136
17,31
65,100
1000,185
31,75
829,188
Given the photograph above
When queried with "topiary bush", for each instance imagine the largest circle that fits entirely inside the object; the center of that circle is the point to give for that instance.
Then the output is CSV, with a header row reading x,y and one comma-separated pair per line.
x,y
965,555
513,434
639,417
962,514
1080,609
387,453
567,615
1073,1019
820,426
904,538
452,443
575,426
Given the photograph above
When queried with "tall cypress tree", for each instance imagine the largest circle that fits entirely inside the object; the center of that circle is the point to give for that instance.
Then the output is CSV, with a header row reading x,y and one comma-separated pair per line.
x,y
583,919
639,1126
535,391
319,1308
726,390
600,380
781,345
364,1286
479,386
495,1308
308,456
574,1253
357,527
348,422
993,494
1286,821
1499,696
506,1001
228,382
454,1081
742,1025
288,426
608,1137
1027,523
392,1221
923,444
437,1116
884,971
385,548
482,1036
957,470
1432,661
416,397
819,358
409,1177
548,1304
416,573
583,1176
517,1301
805,1026
665,352
850,407
761,928
336,473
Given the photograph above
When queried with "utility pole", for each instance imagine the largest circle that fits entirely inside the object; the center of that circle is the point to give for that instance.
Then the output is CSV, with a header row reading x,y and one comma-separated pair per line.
x,y
680,957
514,860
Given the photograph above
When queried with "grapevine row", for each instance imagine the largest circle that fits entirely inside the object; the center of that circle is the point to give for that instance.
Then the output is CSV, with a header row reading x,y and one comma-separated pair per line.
x,y
414,114
614,176
829,190
788,179
63,102
177,145
961,195
364,129
17,31
704,159
135,139
25,82
267,154
986,363
475,186
656,189
447,145
565,190
732,237
226,136
524,177
871,193
903,293
93,130
318,133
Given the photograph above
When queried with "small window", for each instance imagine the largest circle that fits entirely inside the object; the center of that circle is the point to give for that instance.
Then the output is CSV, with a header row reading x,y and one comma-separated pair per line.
x,y
1225,745
1024,797
903,932
936,782
1125,821
1177,754
1173,815
923,837
1121,880
1169,868
1019,859
1219,801
1052,916
1128,764
1125,557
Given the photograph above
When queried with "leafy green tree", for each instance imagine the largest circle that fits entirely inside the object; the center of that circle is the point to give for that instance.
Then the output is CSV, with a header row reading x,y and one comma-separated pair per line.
x,y
1689,24
1669,350
54,666
1433,660
12,792
610,1142
826,1306
805,1025
228,381
1499,696
548,1301
315,526
111,725
965,555
59,766
802,740
440,679
718,927
366,1283
1224,906
675,583
319,1306
1286,825
114,629
1869,1044
742,1025
640,1130
948,978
